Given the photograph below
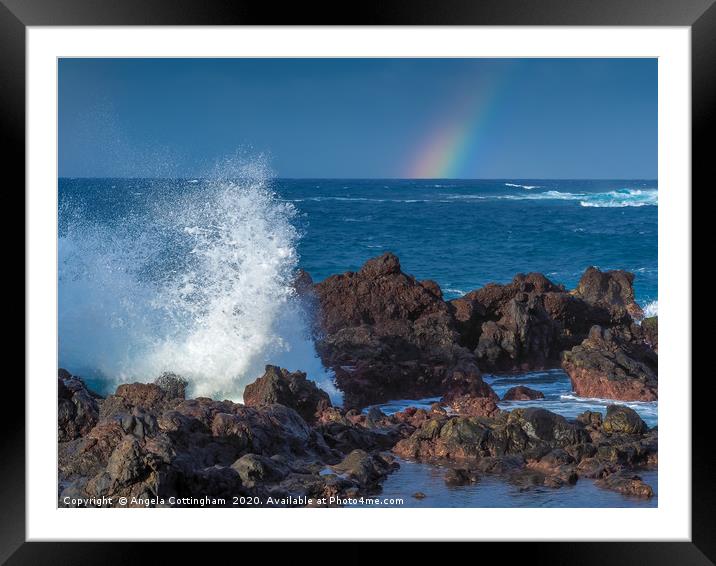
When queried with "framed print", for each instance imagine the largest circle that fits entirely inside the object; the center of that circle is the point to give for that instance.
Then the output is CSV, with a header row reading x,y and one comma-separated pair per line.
x,y
391,279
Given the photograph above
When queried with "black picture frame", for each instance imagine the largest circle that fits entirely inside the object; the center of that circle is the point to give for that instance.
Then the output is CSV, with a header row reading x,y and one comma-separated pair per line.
x,y
17,15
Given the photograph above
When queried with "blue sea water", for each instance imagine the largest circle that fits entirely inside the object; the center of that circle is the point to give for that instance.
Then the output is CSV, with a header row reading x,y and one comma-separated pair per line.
x,y
491,491
464,234
461,233
194,275
554,384
170,275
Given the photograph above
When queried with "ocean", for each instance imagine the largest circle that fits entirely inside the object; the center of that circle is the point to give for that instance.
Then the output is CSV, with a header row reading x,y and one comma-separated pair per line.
x,y
194,275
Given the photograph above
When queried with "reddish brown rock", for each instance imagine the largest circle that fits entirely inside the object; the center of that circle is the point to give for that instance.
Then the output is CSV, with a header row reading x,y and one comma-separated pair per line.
x,y
380,294
527,323
303,283
414,417
607,365
293,390
557,466
612,291
165,393
77,407
523,338
522,325
522,393
524,433
650,332
151,445
626,484
389,336
474,406
490,304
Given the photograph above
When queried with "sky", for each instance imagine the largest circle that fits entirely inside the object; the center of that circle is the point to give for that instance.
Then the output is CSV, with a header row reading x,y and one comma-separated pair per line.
x,y
360,118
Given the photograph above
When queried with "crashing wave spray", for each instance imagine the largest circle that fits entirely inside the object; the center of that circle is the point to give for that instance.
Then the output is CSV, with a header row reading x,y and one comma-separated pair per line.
x,y
196,281
651,309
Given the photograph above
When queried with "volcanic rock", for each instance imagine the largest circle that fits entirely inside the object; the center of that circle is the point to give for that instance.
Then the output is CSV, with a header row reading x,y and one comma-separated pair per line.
x,y
621,419
650,331
612,291
608,365
522,393
293,390
77,407
527,323
626,484
151,446
388,336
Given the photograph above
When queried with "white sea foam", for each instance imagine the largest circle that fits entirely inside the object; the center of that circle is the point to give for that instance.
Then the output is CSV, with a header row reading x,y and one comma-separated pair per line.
x,y
612,199
622,198
199,285
651,309
527,187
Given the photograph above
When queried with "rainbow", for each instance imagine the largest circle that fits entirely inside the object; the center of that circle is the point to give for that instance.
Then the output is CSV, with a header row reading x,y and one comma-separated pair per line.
x,y
452,147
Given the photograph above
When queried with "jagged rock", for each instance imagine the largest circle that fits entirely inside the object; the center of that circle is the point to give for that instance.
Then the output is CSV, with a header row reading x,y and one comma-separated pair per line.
x,y
254,468
363,467
591,419
149,397
470,406
293,390
546,426
531,432
522,393
524,337
621,419
507,325
650,330
77,407
174,386
626,484
127,463
151,445
612,291
388,336
607,365
527,323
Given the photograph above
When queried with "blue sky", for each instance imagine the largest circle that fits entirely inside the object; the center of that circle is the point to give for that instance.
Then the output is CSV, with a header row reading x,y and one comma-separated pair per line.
x,y
361,118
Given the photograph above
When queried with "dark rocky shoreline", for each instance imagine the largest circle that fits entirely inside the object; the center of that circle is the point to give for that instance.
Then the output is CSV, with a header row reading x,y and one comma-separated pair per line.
x,y
386,336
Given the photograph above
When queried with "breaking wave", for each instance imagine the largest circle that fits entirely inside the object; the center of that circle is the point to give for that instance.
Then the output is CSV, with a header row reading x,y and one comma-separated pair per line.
x,y
612,199
527,187
651,309
198,283
622,198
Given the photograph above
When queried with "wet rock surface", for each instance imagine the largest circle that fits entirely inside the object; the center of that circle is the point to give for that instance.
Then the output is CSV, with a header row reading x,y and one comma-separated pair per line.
x,y
153,447
535,447
387,336
285,388
522,393
610,291
156,449
612,364
77,407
